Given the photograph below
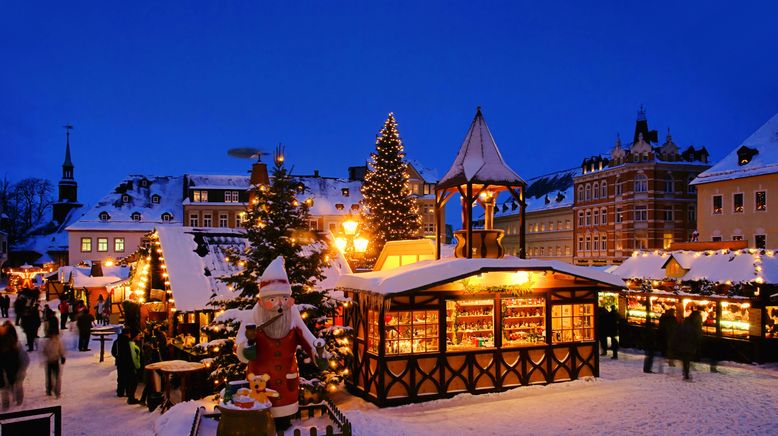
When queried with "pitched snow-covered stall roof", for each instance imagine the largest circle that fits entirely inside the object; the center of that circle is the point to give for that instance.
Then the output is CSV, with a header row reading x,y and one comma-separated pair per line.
x,y
133,198
479,161
210,181
331,196
546,192
197,257
80,277
423,274
756,156
723,266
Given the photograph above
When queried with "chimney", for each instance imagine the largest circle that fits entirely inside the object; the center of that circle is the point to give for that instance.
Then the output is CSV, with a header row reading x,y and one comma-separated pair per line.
x,y
259,174
315,173
97,269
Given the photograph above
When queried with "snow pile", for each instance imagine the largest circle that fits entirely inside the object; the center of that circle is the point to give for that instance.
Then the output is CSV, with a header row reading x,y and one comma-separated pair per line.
x,y
210,181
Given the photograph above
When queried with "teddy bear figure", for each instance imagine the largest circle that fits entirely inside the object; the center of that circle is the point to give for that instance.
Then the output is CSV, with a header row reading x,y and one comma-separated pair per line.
x,y
259,389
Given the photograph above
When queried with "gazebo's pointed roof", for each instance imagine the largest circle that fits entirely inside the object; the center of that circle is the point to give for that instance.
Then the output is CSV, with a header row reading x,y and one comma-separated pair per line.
x,y
479,160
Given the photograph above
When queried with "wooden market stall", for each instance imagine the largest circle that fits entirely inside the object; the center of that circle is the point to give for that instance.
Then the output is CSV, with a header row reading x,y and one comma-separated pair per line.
x,y
734,291
437,328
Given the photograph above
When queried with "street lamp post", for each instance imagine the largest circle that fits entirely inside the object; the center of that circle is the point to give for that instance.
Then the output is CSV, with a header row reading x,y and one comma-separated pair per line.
x,y
351,243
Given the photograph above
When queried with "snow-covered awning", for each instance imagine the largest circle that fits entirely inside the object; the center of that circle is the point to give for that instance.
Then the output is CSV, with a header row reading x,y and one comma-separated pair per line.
x,y
423,274
722,266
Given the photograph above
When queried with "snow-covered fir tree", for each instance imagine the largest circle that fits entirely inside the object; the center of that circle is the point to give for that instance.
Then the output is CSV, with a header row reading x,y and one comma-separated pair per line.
x,y
389,211
276,224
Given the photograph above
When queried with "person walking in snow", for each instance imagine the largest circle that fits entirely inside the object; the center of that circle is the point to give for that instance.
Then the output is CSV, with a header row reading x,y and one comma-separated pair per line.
x,y
54,355
99,310
127,356
31,323
602,327
667,325
64,312
5,304
612,330
84,324
686,343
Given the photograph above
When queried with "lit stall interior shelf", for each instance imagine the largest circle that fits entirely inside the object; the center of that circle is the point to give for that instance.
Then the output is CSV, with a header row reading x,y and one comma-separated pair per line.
x,y
469,324
409,331
572,322
523,321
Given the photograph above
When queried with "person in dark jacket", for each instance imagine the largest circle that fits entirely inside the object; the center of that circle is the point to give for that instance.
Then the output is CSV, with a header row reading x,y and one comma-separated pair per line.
x,y
31,322
9,365
667,325
686,343
613,330
126,375
84,324
5,304
20,304
64,311
602,327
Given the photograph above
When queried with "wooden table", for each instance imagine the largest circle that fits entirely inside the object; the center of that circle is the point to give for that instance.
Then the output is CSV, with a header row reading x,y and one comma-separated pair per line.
x,y
167,369
102,336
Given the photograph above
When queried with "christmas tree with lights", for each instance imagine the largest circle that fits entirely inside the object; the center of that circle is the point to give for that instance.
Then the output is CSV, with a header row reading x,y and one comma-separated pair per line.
x,y
389,211
276,224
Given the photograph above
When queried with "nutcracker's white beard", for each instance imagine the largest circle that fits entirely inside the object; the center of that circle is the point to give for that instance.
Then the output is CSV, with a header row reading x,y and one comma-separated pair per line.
x,y
278,328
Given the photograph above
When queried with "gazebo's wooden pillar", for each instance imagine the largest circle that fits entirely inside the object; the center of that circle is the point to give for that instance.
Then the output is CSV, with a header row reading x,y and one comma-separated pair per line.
x,y
469,212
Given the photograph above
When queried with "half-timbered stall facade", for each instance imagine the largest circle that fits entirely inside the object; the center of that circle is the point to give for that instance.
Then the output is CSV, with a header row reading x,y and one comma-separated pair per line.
x,y
433,329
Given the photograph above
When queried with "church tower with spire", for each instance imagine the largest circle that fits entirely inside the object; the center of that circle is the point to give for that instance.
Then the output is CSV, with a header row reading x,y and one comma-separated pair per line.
x,y
68,188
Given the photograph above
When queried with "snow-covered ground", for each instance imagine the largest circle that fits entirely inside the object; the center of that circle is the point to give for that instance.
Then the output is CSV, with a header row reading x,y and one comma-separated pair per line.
x,y
740,399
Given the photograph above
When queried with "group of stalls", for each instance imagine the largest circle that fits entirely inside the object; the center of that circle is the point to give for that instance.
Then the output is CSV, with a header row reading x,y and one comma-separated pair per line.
x,y
88,283
735,291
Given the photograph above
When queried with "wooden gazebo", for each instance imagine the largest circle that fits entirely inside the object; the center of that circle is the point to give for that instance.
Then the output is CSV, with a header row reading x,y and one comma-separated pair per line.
x,y
479,174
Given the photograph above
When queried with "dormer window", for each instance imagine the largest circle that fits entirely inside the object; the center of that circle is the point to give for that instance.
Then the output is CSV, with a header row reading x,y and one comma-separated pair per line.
x,y
745,154
135,216
355,206
144,183
104,216
155,199
339,206
125,198
345,192
167,217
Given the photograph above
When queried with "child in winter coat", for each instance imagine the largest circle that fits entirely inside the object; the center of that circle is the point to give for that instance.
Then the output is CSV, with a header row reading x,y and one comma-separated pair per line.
x,y
54,354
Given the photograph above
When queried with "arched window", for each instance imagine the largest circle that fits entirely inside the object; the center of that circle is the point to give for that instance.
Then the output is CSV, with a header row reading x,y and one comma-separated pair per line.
x,y
618,187
580,193
167,217
641,183
604,216
104,216
595,191
135,216
588,192
580,218
604,189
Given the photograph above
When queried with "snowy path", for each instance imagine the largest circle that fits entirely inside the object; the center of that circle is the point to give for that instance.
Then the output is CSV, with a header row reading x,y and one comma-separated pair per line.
x,y
89,402
738,400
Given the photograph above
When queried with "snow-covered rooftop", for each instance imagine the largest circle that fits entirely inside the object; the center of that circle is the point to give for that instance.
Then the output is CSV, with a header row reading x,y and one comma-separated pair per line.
x,y
331,196
80,277
546,192
50,237
419,275
140,193
735,266
430,175
479,160
764,140
207,181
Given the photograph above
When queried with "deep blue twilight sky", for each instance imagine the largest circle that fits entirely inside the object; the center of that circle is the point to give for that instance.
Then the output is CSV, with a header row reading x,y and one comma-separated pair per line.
x,y
168,87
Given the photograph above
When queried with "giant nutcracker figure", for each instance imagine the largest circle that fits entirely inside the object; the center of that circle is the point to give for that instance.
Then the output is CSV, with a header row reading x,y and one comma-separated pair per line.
x,y
269,346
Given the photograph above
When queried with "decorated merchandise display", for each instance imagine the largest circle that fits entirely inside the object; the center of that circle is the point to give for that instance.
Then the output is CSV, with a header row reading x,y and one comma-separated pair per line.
x,y
276,225
389,212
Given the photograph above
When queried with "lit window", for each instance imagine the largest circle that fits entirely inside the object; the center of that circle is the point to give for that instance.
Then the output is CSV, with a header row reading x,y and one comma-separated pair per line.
x,y
102,244
469,325
737,202
761,200
523,321
155,199
572,322
717,204
86,245
410,332
135,216
118,245
619,215
200,196
667,240
737,237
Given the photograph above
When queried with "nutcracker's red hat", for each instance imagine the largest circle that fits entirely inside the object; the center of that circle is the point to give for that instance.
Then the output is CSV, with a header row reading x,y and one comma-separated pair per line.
x,y
274,280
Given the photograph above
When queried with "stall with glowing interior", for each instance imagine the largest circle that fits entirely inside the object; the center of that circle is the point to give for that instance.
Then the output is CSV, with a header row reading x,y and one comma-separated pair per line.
x,y
735,291
436,328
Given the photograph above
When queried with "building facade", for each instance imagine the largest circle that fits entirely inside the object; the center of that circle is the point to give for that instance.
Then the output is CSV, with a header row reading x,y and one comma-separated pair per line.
x,y
215,200
115,226
733,196
549,217
638,198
